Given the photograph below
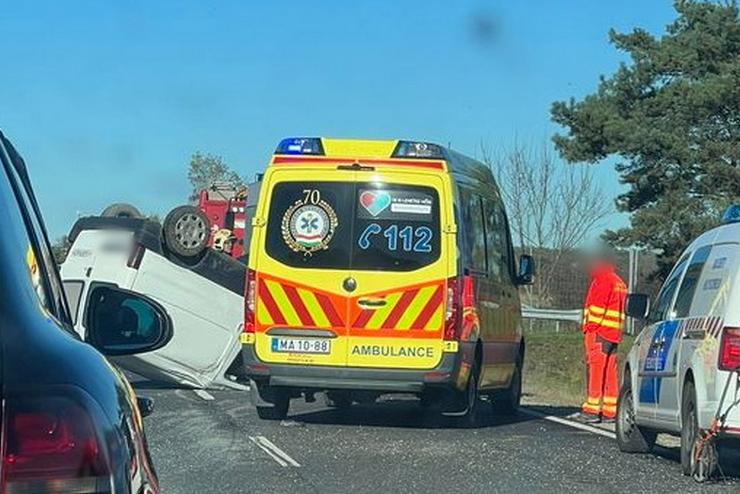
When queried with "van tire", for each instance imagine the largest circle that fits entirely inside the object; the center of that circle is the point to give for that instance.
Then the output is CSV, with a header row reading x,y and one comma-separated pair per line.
x,y
470,399
630,437
271,403
507,401
338,399
121,210
187,231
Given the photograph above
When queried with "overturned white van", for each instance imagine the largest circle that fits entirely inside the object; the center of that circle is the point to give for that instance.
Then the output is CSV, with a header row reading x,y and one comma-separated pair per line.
x,y
203,296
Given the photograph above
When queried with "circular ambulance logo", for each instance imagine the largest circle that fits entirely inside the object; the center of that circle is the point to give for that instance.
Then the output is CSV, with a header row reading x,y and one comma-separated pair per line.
x,y
308,228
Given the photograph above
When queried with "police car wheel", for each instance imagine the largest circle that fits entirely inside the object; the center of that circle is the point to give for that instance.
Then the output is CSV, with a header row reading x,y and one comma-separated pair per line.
x,y
630,437
186,231
698,460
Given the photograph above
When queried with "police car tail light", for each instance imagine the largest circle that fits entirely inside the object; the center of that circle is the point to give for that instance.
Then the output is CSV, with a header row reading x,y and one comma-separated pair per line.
x,y
452,309
729,352
250,301
50,445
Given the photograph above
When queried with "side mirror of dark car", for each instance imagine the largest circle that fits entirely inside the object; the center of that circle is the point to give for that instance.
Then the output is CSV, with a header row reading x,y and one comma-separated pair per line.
x,y
638,305
121,322
526,273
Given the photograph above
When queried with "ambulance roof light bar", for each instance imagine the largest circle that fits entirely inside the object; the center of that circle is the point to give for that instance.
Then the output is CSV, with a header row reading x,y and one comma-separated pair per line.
x,y
732,215
416,149
306,146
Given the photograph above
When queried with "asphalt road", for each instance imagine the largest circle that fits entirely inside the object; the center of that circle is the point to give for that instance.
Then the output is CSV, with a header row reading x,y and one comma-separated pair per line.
x,y
214,443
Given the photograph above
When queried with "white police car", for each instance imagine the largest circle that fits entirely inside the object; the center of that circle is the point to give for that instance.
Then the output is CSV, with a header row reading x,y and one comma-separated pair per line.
x,y
681,375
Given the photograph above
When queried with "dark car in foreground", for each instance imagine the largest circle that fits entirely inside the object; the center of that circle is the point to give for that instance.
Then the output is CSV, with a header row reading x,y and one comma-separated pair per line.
x,y
70,421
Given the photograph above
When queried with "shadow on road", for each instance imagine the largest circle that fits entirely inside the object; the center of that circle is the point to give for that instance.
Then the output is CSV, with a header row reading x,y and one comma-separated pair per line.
x,y
403,413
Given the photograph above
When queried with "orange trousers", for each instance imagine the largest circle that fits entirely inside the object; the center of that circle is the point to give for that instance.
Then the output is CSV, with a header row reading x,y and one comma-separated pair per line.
x,y
603,377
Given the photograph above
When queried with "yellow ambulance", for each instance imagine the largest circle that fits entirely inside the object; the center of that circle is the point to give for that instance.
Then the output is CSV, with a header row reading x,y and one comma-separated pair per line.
x,y
382,267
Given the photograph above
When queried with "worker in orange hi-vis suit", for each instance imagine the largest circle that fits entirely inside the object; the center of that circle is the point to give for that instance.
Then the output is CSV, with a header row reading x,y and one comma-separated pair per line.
x,y
602,327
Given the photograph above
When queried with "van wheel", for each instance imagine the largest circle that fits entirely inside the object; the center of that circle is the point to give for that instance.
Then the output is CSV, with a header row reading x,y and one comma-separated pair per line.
x,y
507,402
630,437
121,210
697,459
338,399
186,231
470,399
271,403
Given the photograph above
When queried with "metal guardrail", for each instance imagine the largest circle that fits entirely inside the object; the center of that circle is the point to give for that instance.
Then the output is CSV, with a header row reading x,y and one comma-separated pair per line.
x,y
573,315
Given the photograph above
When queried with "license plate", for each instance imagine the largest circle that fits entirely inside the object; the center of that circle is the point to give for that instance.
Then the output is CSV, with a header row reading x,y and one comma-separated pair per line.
x,y
301,345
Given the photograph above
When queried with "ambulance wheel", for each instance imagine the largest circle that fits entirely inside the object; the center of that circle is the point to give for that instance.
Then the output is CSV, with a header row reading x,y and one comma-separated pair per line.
x,y
470,399
507,401
698,459
271,403
338,399
186,231
121,210
630,437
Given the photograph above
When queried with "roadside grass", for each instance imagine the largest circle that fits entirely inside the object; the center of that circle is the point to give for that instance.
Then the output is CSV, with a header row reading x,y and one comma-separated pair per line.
x,y
554,367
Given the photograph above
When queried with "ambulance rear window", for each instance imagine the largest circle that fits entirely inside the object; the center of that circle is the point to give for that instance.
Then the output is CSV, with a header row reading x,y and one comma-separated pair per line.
x,y
345,225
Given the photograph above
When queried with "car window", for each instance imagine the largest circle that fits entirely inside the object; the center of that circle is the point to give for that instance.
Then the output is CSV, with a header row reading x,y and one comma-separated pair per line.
x,y
39,256
21,243
713,288
690,280
347,225
659,312
496,241
73,289
475,233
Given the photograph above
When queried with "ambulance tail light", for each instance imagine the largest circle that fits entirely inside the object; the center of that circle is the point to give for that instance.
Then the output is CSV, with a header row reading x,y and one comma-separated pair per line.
x,y
50,445
452,309
729,351
250,301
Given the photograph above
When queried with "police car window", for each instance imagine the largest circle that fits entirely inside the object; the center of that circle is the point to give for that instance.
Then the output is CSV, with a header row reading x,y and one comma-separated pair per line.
x,y
309,224
475,233
712,290
396,227
665,297
690,280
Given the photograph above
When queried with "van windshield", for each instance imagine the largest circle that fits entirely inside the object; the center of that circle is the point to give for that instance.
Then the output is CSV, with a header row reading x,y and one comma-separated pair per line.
x,y
346,225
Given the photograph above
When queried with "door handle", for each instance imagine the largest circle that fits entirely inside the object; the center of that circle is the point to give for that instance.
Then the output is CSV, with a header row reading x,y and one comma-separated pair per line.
x,y
372,303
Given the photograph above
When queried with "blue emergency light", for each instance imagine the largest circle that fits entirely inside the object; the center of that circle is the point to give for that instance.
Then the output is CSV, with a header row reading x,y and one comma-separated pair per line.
x,y
415,149
732,215
301,145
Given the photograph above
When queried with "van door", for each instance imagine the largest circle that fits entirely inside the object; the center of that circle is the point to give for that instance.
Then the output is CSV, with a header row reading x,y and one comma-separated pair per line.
x,y
655,342
302,266
401,259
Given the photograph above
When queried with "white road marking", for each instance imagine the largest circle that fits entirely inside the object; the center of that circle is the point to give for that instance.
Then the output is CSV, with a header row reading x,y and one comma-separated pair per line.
x,y
569,423
203,394
277,454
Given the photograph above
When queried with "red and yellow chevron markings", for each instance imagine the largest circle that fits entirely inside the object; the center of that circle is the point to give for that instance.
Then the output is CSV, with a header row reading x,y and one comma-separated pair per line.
x,y
285,304
417,307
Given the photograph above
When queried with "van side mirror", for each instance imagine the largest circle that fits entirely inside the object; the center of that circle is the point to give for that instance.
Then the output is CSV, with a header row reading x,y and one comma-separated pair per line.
x,y
526,273
121,322
638,305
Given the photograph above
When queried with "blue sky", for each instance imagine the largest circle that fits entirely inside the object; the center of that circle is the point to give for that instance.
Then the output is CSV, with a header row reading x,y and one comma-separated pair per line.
x,y
107,100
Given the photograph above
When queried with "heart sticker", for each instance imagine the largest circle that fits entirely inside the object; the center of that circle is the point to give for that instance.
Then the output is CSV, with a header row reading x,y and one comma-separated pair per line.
x,y
375,202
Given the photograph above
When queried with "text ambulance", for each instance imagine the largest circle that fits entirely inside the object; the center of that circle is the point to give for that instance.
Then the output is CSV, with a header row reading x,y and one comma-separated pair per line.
x,y
379,267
